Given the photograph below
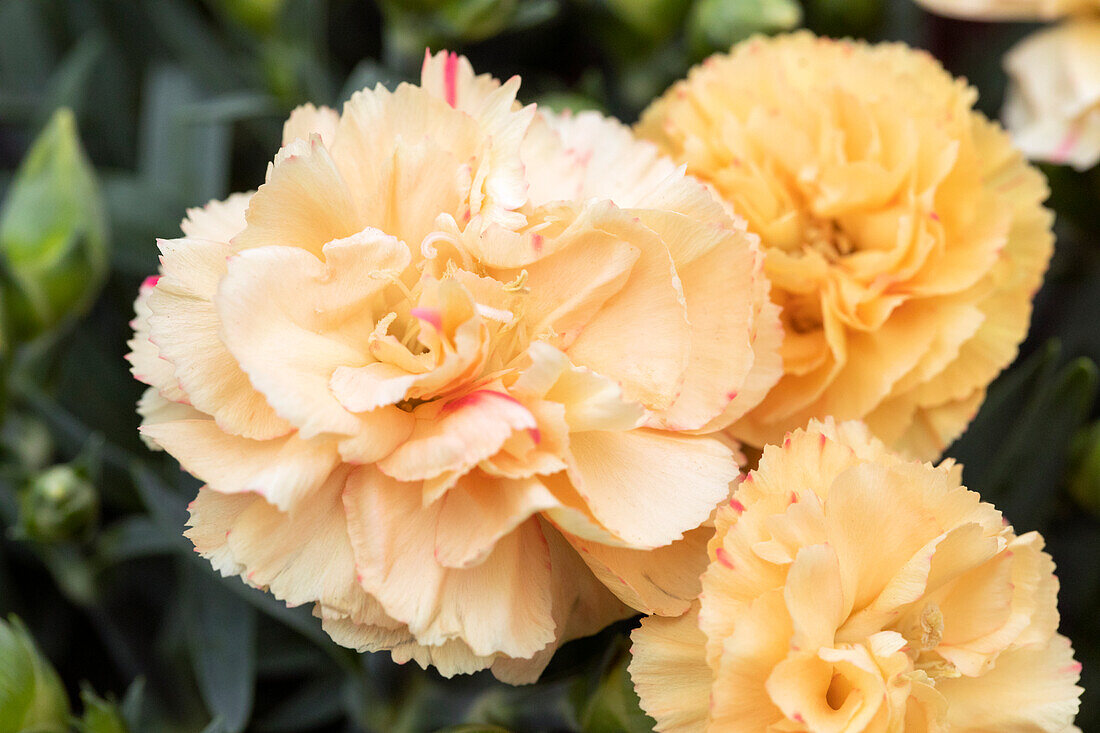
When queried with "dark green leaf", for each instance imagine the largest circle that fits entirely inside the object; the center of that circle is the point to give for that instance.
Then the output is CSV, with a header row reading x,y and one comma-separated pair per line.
x,y
222,635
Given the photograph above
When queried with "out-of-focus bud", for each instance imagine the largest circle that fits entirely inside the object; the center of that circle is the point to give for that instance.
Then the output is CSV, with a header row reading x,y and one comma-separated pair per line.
x,y
32,697
843,17
25,441
259,16
715,25
53,234
1084,482
654,19
60,503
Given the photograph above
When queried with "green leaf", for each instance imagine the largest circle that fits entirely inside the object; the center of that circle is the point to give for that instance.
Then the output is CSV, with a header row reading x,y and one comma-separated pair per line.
x,y
53,233
177,150
1017,452
311,706
32,697
100,715
614,706
715,25
222,641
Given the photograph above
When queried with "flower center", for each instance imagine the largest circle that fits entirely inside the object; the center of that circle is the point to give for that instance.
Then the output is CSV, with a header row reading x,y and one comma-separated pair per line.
x,y
827,238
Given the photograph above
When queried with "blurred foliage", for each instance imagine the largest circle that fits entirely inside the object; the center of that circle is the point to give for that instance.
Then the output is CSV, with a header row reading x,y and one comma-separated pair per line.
x,y
175,102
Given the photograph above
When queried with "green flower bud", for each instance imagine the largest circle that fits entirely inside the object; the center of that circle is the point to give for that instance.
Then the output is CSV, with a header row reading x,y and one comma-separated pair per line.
x,y
1084,482
715,25
257,15
58,504
32,697
654,19
53,234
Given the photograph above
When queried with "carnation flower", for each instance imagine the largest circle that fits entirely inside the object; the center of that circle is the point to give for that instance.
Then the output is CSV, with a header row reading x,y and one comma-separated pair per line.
x,y
1026,10
449,357
1052,106
904,236
851,590
1053,103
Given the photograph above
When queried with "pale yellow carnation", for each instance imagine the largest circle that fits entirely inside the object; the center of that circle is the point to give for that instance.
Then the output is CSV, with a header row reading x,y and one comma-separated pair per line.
x,y
448,366
904,236
851,590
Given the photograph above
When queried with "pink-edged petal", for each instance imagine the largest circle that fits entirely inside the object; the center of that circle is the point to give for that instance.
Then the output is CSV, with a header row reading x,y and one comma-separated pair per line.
x,y
218,221
649,487
307,120
455,438
146,363
185,327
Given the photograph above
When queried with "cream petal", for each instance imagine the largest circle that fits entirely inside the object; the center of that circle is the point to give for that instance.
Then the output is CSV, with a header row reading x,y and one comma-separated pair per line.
x,y
581,607
300,557
289,344
146,363
670,674
660,582
154,410
218,221
641,336
305,202
449,659
306,120
378,434
479,510
465,431
501,605
1030,688
649,487
184,325
285,471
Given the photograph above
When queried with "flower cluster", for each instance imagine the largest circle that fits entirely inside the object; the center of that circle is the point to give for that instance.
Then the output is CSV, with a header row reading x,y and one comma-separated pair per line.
x,y
468,377
905,237
449,356
850,589
1053,100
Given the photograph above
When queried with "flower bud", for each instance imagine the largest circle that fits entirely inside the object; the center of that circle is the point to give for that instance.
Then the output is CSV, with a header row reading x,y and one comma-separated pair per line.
x,y
653,19
32,697
53,233
1084,483
59,503
257,15
25,442
715,25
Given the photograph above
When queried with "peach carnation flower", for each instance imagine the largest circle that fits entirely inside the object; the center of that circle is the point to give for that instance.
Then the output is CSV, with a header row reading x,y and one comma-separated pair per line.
x,y
450,356
904,236
851,590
